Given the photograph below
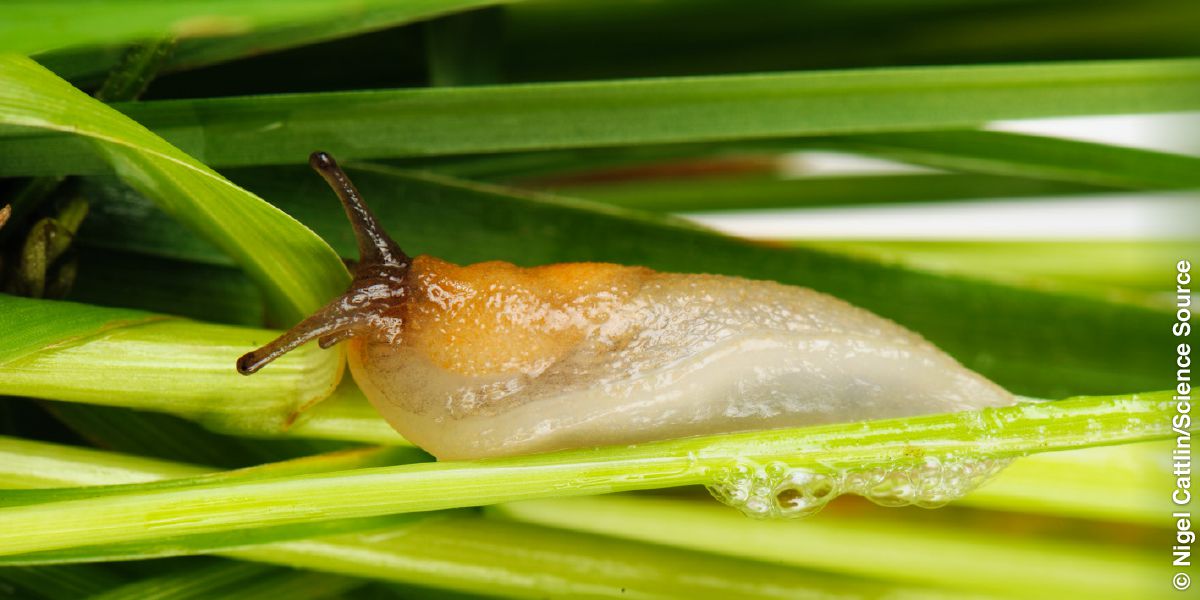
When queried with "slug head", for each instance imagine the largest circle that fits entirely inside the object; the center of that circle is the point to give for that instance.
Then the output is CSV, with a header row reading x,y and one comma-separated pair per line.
x,y
379,282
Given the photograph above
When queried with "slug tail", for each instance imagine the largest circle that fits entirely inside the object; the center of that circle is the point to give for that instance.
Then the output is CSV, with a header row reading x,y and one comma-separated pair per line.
x,y
378,286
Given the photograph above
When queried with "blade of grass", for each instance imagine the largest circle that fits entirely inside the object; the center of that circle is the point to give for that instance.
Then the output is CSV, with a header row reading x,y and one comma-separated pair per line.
x,y
396,123
365,18
530,562
135,513
34,26
295,258
1142,265
81,65
38,464
467,553
745,193
28,464
140,360
464,49
139,65
966,552
571,41
296,270
1022,155
345,415
522,167
1085,166
1121,484
997,153
166,436
226,579
117,207
213,293
23,417
57,582
164,475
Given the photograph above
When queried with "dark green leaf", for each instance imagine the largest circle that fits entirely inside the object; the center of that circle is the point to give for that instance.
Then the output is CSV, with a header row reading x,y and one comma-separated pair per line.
x,y
283,129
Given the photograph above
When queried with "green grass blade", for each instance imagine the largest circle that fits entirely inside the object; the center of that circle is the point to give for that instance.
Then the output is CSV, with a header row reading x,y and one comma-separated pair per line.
x,y
571,40
470,554
1120,484
379,15
464,49
298,271
30,464
1015,162
134,514
83,65
140,360
520,168
32,26
57,582
345,415
164,475
227,579
958,551
1021,155
139,65
746,193
213,293
513,560
38,464
1004,164
1099,266
166,436
152,362
396,123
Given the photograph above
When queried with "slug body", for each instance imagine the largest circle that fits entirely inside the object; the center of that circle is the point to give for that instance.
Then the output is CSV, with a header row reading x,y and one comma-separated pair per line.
x,y
493,359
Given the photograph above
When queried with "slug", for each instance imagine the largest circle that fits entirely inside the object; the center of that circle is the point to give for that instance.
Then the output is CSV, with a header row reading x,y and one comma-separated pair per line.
x,y
493,359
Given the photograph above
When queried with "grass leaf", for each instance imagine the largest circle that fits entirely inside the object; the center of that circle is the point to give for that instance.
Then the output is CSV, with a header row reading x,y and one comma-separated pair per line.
x,y
232,579
471,554
967,551
32,464
296,269
34,26
1035,156
137,514
139,360
266,130
59,582
748,193
1119,484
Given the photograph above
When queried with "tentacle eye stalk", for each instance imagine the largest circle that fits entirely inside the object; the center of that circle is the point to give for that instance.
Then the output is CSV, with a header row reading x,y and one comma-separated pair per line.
x,y
378,285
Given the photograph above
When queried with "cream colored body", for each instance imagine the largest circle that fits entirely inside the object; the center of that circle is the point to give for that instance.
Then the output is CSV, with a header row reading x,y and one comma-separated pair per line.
x,y
496,360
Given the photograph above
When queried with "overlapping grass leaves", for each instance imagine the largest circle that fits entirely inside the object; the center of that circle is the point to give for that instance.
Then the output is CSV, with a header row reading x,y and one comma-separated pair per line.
x,y
33,26
295,268
267,130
